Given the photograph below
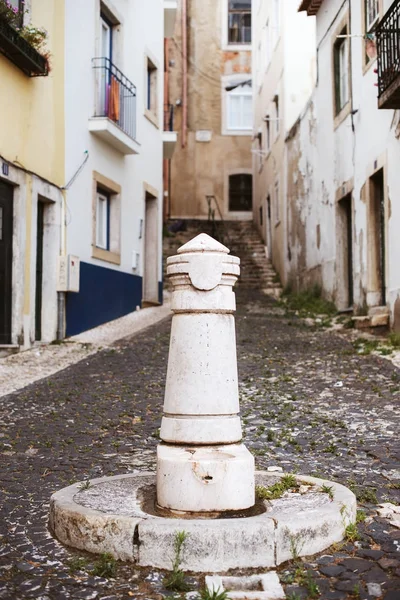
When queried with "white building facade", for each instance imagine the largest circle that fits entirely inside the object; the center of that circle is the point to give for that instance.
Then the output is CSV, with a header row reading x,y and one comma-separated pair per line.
x,y
114,107
284,75
341,162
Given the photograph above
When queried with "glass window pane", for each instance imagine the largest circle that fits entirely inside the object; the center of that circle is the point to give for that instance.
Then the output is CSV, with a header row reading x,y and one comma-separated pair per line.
x,y
240,5
102,221
240,192
234,112
247,122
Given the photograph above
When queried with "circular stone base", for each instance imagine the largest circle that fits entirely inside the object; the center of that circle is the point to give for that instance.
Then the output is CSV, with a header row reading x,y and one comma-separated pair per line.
x,y
111,515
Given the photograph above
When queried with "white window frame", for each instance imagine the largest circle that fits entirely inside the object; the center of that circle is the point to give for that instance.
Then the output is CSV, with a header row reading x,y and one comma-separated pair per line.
x,y
371,7
277,203
267,133
343,73
245,91
225,45
277,115
102,220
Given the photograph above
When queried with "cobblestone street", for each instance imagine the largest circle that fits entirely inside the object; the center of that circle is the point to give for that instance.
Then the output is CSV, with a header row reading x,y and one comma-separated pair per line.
x,y
311,404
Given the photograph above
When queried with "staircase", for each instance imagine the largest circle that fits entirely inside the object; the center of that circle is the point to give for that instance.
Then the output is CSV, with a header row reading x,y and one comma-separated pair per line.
x,y
243,240
256,270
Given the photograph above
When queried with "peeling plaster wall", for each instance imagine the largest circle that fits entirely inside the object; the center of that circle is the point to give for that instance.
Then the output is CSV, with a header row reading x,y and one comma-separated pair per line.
x,y
326,160
290,75
203,168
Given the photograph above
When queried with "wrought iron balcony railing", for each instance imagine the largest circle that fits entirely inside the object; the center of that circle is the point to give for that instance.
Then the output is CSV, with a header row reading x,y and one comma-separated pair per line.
x,y
115,96
388,51
168,117
20,52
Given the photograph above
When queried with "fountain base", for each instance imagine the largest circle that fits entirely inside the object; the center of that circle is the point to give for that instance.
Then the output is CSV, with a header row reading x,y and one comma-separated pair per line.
x,y
115,515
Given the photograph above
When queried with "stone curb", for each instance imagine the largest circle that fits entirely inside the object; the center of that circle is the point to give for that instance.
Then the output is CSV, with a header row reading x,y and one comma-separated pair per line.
x,y
296,526
29,366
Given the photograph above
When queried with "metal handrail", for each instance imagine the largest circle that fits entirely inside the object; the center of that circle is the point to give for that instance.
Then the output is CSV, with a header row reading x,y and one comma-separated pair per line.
x,y
115,95
388,48
223,235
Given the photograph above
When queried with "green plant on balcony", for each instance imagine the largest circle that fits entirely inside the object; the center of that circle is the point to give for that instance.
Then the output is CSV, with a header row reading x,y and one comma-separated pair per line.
x,y
11,14
36,37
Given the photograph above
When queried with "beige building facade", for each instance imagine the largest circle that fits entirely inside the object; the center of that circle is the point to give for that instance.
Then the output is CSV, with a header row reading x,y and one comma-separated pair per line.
x,y
210,89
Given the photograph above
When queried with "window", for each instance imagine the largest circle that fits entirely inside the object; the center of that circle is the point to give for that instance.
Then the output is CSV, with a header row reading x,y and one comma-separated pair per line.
x,y
341,71
106,37
268,133
152,85
276,104
239,21
106,230
277,206
240,108
103,220
240,192
371,14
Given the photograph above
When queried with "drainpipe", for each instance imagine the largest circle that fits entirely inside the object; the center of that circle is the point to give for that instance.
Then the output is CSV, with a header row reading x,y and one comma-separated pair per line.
x,y
61,296
184,73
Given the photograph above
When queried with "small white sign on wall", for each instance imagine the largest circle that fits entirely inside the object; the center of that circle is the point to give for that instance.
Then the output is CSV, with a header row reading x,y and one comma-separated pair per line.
x,y
203,135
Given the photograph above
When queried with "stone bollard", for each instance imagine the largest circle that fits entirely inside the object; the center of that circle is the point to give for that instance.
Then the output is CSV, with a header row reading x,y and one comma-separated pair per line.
x,y
201,464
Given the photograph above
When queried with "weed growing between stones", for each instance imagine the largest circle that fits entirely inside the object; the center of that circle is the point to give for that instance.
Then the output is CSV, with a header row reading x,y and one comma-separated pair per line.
x,y
85,485
105,566
216,594
351,533
365,346
176,579
363,493
308,303
360,516
304,578
327,489
275,491
77,563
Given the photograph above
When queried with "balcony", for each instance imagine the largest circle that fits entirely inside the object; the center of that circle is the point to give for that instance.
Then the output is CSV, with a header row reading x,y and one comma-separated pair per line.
x,y
388,51
170,137
20,52
114,119
170,8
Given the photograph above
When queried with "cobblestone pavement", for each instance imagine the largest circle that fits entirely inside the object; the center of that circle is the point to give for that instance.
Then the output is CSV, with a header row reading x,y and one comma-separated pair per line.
x,y
310,403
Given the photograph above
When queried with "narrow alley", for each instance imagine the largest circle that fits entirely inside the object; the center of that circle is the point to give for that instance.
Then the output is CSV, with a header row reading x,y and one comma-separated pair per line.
x,y
310,404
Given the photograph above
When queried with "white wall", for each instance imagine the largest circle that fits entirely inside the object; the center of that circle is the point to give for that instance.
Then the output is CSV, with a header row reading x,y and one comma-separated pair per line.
x,y
324,160
140,32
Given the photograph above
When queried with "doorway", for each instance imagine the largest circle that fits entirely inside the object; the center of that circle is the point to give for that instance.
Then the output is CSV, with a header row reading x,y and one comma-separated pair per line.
x,y
150,275
6,237
345,253
39,270
376,239
269,228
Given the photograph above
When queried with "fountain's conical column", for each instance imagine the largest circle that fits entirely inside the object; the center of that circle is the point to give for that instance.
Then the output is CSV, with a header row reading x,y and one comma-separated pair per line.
x,y
201,464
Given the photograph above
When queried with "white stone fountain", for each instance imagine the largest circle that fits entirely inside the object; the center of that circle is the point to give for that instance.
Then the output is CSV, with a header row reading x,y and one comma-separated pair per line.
x,y
202,466
205,482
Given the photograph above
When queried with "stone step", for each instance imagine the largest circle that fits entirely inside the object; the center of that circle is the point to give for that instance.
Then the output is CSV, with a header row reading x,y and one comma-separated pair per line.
x,y
371,321
378,310
8,349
